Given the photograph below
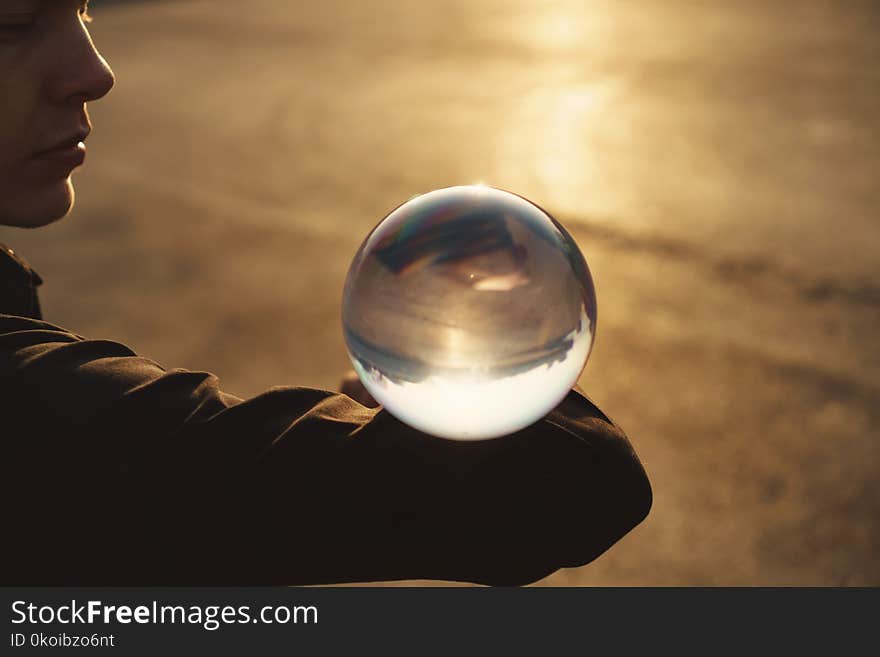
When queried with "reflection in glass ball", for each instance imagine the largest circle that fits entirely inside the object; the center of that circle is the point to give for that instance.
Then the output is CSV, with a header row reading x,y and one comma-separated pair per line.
x,y
469,312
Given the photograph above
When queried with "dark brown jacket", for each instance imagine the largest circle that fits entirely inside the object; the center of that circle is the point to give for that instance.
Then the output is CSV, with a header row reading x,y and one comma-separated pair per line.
x,y
118,471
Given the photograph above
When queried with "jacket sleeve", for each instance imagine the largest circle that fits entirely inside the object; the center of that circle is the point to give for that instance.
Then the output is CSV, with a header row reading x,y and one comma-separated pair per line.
x,y
121,472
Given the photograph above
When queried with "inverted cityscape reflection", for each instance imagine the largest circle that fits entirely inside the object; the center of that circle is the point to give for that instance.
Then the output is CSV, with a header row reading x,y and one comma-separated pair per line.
x,y
469,312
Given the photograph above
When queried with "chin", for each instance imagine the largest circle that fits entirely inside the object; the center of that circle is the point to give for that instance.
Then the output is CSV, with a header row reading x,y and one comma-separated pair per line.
x,y
39,208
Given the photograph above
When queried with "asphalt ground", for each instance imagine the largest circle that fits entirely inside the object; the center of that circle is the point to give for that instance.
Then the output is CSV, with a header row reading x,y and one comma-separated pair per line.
x,y
716,162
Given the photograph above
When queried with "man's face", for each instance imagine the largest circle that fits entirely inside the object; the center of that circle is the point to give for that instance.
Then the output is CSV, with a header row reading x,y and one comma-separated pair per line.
x,y
49,69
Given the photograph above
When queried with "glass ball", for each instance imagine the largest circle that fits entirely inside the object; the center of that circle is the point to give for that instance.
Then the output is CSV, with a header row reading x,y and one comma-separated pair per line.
x,y
469,312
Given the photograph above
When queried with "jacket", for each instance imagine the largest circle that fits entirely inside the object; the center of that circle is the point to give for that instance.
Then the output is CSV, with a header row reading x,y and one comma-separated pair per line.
x,y
122,472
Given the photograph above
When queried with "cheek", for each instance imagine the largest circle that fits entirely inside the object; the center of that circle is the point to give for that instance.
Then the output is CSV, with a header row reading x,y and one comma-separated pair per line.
x,y
20,88
28,197
19,119
8,119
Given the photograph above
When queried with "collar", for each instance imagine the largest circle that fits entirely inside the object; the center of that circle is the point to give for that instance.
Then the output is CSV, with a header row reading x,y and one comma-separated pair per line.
x,y
18,285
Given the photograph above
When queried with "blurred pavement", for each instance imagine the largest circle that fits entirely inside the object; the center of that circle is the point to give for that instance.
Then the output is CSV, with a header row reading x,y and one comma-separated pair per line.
x,y
717,162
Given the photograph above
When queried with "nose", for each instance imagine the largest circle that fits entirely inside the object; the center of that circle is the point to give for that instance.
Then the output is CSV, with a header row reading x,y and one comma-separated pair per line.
x,y
83,74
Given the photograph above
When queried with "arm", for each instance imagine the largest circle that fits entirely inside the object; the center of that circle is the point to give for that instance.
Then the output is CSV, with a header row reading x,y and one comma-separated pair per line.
x,y
125,473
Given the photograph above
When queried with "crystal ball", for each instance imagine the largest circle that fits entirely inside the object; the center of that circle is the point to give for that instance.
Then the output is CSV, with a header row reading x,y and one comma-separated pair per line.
x,y
469,312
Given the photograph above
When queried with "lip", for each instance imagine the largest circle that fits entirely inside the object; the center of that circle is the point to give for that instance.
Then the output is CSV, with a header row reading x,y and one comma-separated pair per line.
x,y
67,155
